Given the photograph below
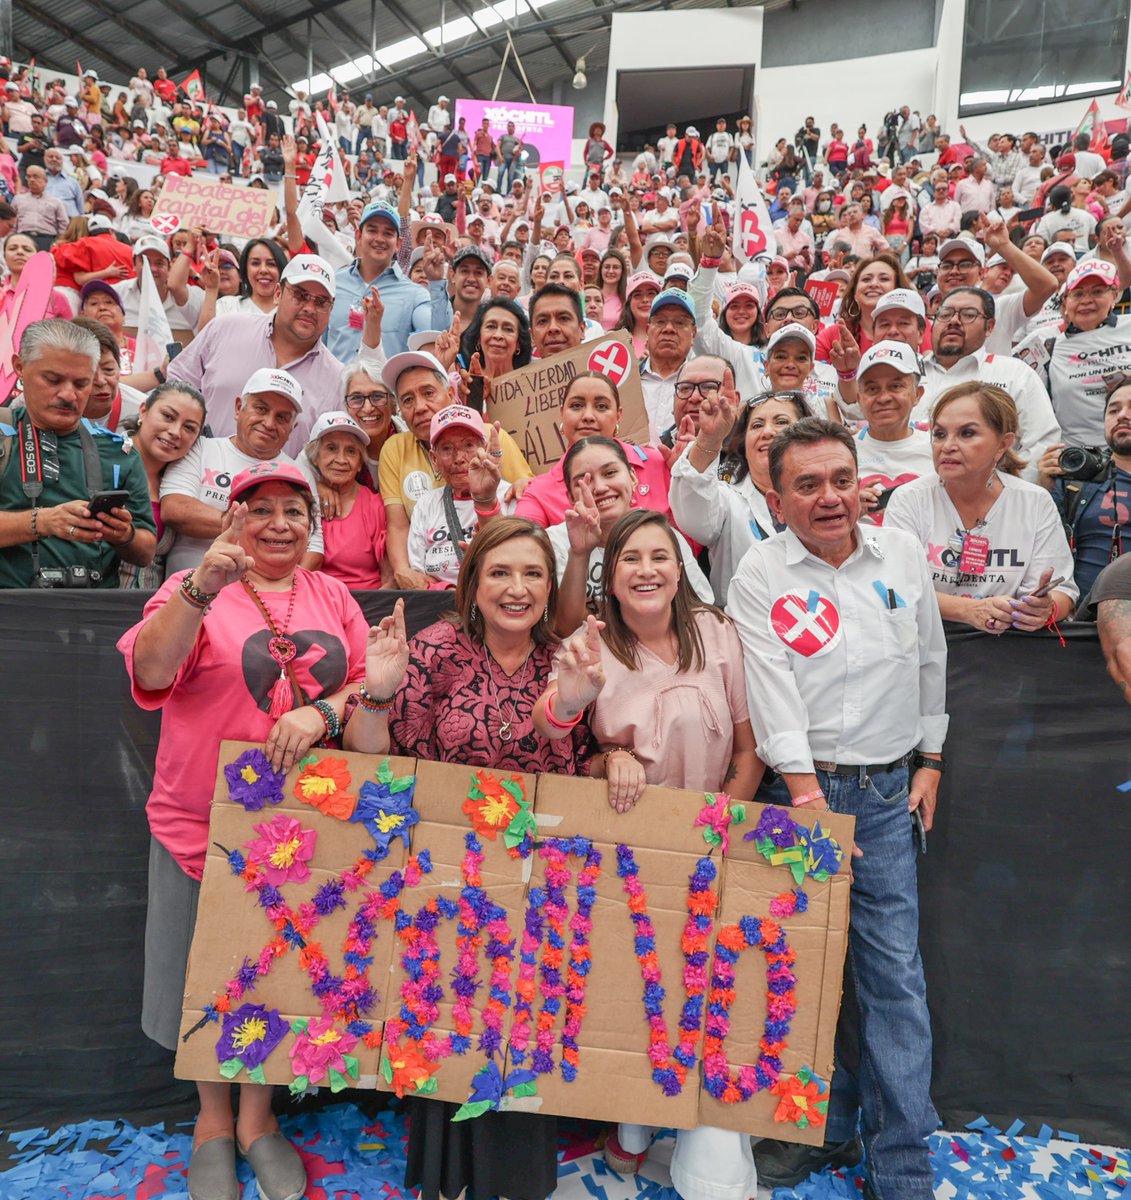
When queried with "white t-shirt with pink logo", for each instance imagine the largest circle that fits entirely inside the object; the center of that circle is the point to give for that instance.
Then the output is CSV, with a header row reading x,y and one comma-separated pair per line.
x,y
889,465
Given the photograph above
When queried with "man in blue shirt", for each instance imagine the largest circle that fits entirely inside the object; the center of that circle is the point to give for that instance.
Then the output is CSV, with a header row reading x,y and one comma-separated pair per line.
x,y
408,307
62,186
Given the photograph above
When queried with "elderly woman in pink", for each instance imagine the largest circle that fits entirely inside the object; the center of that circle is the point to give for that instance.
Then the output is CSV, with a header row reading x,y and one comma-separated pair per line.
x,y
591,405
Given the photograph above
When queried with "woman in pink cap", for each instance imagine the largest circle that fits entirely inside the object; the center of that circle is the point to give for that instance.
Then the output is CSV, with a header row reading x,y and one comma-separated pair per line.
x,y
642,288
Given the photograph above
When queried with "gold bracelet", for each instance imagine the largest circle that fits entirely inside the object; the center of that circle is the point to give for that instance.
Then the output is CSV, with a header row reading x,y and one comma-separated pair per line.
x,y
618,750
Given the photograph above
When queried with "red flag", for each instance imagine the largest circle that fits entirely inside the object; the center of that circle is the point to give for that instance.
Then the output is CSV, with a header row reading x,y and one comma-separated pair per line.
x,y
412,128
332,98
193,86
1094,128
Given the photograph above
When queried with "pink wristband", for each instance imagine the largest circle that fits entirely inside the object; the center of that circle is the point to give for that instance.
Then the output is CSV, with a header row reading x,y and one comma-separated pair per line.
x,y
808,798
709,262
553,719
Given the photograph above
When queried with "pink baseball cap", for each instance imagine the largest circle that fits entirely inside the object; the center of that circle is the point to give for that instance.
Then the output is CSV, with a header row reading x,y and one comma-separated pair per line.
x,y
743,289
640,279
1094,268
267,472
457,416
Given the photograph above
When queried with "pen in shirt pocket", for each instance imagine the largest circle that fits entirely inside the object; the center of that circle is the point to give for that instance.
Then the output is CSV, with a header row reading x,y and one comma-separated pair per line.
x,y
889,597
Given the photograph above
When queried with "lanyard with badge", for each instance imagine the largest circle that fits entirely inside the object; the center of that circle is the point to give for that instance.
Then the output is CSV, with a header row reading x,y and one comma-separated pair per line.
x,y
973,550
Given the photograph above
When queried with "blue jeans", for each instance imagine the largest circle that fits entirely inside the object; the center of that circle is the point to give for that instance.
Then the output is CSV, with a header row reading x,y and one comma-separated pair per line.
x,y
718,168
237,159
886,1078
484,161
507,169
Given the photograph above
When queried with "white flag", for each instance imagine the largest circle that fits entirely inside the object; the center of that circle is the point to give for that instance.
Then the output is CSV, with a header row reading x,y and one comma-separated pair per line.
x,y
153,332
327,185
753,229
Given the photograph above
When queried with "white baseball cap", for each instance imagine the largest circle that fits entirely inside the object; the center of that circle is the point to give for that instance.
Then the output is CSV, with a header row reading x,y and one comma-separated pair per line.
x,y
150,242
96,223
996,260
275,379
399,363
792,332
891,354
678,270
903,298
338,422
1058,248
971,247
450,178
309,268
440,98
422,338
1092,268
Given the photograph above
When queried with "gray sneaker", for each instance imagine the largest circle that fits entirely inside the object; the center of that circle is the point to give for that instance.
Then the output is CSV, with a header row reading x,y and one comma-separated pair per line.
x,y
277,1166
212,1171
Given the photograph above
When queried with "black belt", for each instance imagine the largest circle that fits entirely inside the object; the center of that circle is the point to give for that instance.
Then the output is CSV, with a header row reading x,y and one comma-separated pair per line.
x,y
831,768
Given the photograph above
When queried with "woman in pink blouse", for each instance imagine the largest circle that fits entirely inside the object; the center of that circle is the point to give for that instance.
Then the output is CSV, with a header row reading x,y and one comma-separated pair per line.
x,y
664,677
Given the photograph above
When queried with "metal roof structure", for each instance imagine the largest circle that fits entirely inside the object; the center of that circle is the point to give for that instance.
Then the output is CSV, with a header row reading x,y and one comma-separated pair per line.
x,y
289,41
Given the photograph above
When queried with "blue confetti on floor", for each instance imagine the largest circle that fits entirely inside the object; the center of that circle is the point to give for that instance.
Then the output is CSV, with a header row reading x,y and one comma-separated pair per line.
x,y
352,1156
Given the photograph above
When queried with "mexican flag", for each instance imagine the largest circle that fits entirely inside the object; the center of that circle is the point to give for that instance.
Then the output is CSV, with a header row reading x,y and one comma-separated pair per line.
x,y
1094,128
193,87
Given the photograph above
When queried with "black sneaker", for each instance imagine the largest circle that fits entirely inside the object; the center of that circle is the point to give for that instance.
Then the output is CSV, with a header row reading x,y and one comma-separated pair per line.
x,y
786,1164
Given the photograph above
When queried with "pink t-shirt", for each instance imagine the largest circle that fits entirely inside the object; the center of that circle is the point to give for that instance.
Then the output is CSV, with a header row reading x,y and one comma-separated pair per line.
x,y
355,544
545,499
221,691
680,727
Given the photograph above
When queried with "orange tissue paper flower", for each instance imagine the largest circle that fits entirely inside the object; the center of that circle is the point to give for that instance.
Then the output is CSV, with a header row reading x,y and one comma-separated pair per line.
x,y
324,784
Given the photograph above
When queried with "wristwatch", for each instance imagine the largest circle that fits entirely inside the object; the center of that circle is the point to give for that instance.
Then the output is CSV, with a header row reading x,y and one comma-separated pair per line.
x,y
922,763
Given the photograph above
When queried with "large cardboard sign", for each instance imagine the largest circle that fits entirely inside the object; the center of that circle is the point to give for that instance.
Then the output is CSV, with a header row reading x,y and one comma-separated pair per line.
x,y
527,402
511,942
243,212
546,129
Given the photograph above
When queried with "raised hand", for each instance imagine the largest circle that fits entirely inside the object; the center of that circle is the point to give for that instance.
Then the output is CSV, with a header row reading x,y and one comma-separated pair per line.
x,y
290,153
225,560
434,262
483,472
580,674
386,654
994,233
713,243
582,522
447,344
717,416
844,350
210,271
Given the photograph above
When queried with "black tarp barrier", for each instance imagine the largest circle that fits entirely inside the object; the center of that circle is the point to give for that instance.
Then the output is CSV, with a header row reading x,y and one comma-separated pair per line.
x,y
1026,927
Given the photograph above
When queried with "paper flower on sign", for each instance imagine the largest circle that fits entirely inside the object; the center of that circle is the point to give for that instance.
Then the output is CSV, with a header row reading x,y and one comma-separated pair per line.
x,y
322,1050
283,849
776,826
324,785
408,1070
823,853
488,1088
252,783
804,1099
519,834
717,816
493,803
249,1035
385,809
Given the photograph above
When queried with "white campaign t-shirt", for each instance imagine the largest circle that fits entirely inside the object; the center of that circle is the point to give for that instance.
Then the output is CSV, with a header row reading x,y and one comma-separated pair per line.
x,y
890,465
206,474
1079,365
559,539
430,546
180,316
1023,528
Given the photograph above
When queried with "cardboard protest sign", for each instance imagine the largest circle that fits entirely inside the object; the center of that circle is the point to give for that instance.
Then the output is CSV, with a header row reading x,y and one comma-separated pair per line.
x,y
824,292
531,949
218,207
527,402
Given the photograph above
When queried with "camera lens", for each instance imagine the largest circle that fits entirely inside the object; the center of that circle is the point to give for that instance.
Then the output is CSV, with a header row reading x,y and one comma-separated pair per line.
x,y
1073,459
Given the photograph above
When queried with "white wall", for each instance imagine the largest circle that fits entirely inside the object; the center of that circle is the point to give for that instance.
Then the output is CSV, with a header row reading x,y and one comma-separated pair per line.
x,y
852,92
690,38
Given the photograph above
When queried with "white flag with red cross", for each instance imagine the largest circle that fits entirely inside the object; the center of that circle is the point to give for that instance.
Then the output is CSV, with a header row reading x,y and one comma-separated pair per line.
x,y
752,229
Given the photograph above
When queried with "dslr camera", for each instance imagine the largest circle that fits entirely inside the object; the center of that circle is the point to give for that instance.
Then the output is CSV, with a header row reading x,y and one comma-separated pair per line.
x,y
67,577
1085,463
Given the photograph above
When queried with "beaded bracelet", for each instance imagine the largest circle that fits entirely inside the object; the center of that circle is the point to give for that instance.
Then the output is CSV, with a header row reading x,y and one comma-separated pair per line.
x,y
617,750
330,716
197,598
36,535
553,720
371,703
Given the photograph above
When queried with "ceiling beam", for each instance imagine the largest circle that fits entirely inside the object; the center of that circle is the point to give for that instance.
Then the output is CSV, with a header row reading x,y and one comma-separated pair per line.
x,y
36,13
145,36
395,8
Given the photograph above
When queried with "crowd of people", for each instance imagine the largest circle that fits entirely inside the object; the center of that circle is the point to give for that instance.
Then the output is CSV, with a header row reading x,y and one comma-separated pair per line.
x,y
956,421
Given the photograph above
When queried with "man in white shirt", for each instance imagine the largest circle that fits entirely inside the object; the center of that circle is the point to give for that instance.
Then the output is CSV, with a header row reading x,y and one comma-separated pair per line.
x,y
1088,162
439,117
194,490
242,133
666,146
344,123
592,193
961,325
1028,178
975,193
719,147
845,661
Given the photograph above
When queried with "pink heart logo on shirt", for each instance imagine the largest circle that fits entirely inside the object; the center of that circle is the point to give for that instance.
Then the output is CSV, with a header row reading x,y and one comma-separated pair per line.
x,y
22,307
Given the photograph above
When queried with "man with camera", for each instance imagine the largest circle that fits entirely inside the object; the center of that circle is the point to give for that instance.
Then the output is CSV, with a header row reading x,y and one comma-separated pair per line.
x,y
1092,489
72,500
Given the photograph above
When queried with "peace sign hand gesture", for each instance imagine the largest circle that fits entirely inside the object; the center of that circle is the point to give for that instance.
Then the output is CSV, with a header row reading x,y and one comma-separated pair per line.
x,y
582,522
483,472
225,560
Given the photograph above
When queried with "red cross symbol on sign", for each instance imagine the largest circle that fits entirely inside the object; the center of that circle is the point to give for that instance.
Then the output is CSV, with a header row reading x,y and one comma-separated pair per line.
x,y
611,359
165,223
750,231
809,625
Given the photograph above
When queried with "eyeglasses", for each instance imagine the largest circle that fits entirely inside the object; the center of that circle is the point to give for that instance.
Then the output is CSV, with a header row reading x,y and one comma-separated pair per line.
x,y
356,401
966,315
706,388
962,264
798,313
796,396
304,298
